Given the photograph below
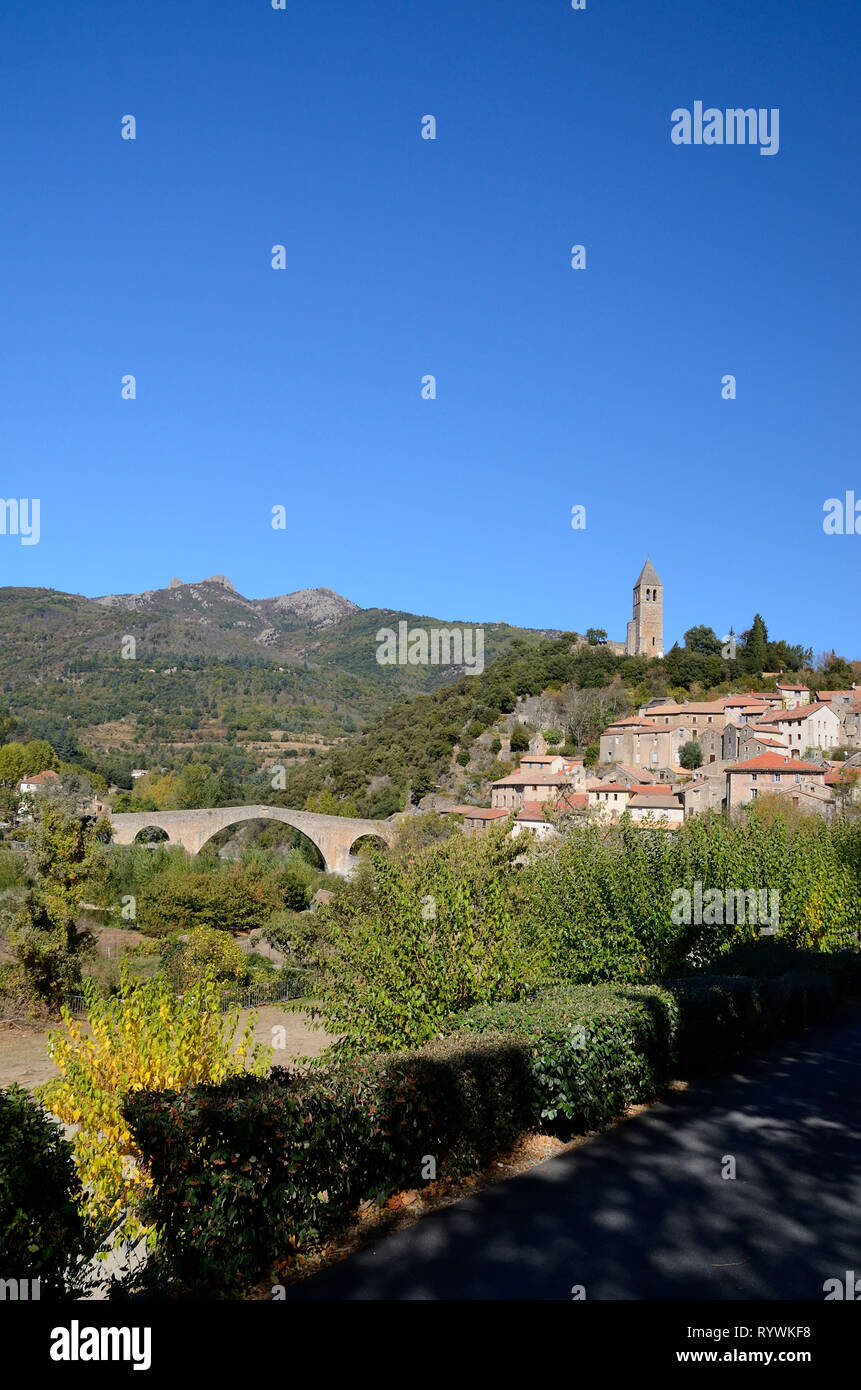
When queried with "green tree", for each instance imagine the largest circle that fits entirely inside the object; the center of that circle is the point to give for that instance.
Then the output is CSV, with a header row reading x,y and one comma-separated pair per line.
x,y
407,943
519,739
231,899
325,803
39,756
754,656
691,755
703,640
596,636
64,853
207,952
12,764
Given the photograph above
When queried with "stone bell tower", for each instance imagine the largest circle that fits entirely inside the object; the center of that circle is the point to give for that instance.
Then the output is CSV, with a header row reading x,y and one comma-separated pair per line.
x,y
646,628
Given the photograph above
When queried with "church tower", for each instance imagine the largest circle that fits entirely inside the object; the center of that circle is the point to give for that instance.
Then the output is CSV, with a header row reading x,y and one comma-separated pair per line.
x,y
646,628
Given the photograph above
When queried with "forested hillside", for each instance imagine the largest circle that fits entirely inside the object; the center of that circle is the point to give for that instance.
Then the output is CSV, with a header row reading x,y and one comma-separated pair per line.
x,y
197,670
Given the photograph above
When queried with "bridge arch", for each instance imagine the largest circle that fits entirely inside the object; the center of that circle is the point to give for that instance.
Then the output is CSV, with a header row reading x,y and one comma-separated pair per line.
x,y
152,835
333,836
365,841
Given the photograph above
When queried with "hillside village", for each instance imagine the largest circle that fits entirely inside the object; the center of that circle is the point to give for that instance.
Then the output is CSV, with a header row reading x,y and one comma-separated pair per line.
x,y
750,744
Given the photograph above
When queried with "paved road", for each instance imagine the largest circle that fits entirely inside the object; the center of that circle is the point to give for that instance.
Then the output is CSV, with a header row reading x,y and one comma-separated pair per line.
x,y
643,1212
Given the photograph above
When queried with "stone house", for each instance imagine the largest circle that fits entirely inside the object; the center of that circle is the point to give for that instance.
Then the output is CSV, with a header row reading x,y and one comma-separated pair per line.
x,y
476,818
639,742
509,793
768,773
666,808
698,715
793,696
806,726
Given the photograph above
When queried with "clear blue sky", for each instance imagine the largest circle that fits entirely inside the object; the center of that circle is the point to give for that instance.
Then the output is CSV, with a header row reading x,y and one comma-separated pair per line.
x,y
404,257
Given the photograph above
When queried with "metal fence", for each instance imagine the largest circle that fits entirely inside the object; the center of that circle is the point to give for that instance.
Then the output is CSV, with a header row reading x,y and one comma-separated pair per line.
x,y
266,993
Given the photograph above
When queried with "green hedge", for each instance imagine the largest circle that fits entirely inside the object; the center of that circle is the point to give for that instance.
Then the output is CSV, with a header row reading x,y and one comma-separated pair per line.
x,y
248,1171
42,1235
592,1050
724,1017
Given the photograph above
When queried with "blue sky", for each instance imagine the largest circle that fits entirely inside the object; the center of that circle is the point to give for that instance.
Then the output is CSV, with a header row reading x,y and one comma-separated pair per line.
x,y
556,387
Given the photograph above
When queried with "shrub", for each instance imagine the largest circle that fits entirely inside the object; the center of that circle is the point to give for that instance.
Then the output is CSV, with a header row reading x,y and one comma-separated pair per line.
x,y
406,944
592,1051
42,1234
206,952
13,873
519,741
282,1162
144,1038
229,899
723,1017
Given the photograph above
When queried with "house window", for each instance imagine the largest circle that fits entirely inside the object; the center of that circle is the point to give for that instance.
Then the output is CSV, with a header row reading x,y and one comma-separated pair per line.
x,y
775,777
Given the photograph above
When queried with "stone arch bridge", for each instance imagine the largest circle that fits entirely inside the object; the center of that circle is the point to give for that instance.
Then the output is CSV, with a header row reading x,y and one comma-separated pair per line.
x,y
334,836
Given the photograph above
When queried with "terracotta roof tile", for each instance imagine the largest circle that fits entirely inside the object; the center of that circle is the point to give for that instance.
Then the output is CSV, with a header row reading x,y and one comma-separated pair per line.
x,y
770,762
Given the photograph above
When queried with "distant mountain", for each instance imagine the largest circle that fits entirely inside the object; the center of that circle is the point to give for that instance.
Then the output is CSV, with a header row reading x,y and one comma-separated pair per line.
x,y
316,607
171,668
205,600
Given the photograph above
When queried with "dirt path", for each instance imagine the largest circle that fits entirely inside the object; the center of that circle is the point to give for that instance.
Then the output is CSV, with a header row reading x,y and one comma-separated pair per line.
x,y
24,1056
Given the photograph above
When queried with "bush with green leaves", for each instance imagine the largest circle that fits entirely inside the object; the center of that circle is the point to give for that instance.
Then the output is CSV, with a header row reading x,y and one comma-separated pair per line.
x,y
519,740
247,1172
691,755
408,942
205,952
229,898
64,852
600,903
592,1051
42,1233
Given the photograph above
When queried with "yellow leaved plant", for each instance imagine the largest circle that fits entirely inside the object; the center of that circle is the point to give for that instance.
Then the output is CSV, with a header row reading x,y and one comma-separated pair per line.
x,y
144,1038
